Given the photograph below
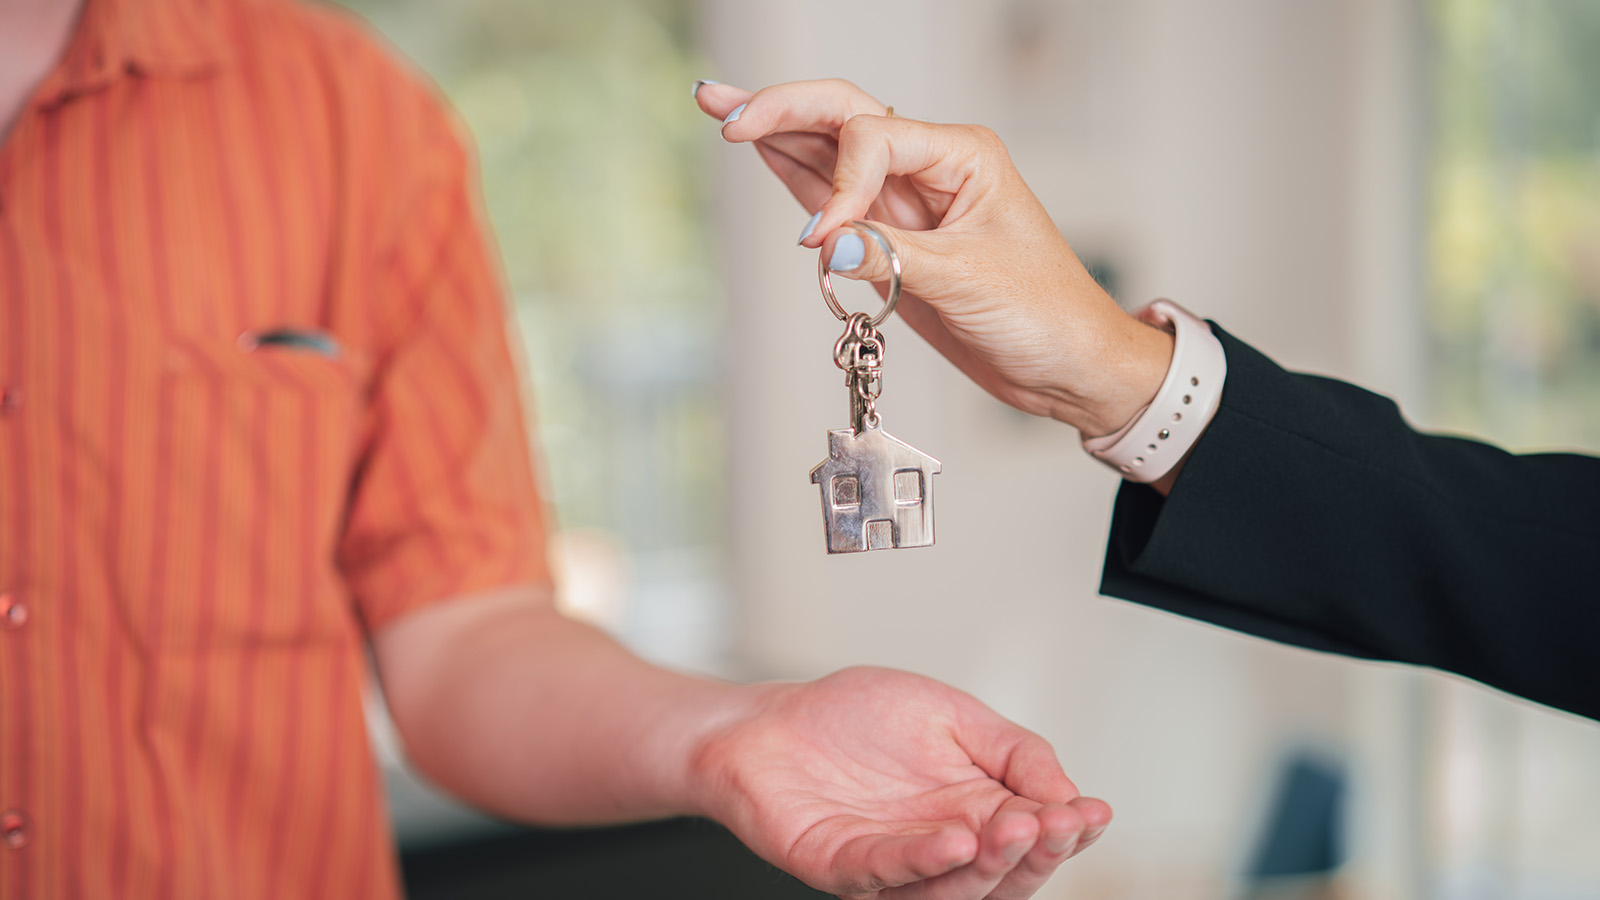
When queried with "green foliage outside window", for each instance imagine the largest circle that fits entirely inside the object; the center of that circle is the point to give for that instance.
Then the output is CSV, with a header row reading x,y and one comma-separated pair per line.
x,y
592,172
1514,220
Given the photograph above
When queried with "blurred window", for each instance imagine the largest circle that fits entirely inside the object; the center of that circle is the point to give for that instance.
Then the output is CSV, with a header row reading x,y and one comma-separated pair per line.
x,y
591,154
1514,220
1513,230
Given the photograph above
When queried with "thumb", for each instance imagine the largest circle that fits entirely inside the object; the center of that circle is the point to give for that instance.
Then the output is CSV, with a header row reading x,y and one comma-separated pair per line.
x,y
856,253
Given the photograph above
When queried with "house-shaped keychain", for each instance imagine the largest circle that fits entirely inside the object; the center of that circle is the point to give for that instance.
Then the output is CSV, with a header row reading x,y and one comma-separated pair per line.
x,y
877,492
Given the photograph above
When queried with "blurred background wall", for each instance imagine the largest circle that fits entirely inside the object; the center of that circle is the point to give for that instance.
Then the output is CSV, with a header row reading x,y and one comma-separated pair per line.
x,y
1402,193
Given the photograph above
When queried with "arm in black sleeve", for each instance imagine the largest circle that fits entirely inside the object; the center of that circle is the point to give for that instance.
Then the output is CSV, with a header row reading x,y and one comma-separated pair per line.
x,y
1311,513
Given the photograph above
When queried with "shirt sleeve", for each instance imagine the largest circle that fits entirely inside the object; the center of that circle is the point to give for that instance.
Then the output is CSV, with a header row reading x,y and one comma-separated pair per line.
x,y
444,501
1312,513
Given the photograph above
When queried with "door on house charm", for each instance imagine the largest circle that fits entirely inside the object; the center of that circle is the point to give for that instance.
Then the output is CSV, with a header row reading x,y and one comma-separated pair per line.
x,y
880,534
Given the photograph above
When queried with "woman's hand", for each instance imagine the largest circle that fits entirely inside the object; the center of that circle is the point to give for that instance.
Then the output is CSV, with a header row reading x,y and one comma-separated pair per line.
x,y
875,784
989,280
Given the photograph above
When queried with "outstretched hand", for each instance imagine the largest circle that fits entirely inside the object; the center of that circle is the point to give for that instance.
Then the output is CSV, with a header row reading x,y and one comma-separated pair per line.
x,y
873,783
989,280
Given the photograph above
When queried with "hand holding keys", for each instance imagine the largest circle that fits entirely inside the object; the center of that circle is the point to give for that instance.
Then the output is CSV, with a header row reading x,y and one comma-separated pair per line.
x,y
877,491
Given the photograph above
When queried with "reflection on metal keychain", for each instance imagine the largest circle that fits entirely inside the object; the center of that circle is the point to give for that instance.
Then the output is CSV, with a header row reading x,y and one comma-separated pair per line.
x,y
877,492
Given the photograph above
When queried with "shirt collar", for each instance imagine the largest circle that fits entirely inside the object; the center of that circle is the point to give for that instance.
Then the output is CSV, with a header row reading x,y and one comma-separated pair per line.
x,y
162,38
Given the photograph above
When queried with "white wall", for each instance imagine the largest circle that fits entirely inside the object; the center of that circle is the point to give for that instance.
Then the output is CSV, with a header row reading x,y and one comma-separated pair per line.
x,y
1252,159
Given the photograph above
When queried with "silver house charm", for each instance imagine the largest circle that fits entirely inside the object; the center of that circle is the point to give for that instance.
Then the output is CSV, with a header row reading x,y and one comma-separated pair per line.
x,y
877,491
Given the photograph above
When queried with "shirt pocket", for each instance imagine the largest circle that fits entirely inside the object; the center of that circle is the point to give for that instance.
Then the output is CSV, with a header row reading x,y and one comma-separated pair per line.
x,y
252,452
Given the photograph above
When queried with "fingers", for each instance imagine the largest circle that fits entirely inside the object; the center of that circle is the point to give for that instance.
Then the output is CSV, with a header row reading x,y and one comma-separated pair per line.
x,y
803,161
890,860
1033,771
1061,829
815,148
816,152
833,131
1018,851
1014,861
1096,817
719,100
1014,756
809,186
1064,830
1002,845
809,106
853,253
940,158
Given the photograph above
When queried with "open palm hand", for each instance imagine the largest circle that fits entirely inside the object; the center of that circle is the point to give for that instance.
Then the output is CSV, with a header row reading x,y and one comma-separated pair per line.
x,y
873,783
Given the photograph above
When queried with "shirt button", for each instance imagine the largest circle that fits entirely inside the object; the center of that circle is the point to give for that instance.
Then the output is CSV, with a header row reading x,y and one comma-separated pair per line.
x,y
14,829
13,612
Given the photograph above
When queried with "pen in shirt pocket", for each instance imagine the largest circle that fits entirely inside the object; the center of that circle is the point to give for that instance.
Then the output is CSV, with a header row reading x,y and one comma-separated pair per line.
x,y
308,340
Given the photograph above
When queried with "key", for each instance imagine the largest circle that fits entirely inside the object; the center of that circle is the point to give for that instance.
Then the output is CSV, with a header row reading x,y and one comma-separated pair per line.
x,y
877,490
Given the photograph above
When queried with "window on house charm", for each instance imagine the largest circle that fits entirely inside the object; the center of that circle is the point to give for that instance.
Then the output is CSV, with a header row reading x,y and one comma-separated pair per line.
x,y
908,486
846,491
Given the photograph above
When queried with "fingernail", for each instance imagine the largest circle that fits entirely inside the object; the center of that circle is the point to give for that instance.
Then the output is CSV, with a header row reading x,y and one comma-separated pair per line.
x,y
700,84
811,225
1093,836
848,252
1015,852
734,116
1059,844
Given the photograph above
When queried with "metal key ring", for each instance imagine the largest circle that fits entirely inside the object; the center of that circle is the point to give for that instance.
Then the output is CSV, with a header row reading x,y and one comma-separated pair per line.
x,y
824,276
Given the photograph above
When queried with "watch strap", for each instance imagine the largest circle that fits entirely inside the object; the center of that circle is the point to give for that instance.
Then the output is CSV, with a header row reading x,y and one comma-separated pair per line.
x,y
1162,433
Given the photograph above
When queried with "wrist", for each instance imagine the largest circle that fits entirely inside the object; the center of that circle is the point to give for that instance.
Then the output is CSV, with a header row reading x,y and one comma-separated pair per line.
x,y
1159,437
710,785
667,757
1129,364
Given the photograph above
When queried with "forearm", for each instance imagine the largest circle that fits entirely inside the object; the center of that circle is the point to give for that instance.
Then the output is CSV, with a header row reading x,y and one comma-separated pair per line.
x,y
1312,513
866,779
540,718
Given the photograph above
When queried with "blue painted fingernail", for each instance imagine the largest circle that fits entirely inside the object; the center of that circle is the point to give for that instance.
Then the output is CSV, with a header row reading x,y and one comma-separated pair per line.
x,y
734,116
811,225
700,84
848,252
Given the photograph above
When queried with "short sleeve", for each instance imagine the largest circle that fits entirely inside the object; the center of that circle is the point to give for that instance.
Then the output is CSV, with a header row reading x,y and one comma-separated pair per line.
x,y
444,500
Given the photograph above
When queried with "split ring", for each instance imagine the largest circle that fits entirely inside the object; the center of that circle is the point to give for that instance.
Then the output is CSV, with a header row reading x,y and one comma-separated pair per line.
x,y
889,303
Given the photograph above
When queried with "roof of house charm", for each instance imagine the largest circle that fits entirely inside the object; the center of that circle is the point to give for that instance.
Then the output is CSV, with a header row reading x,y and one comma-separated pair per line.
x,y
877,491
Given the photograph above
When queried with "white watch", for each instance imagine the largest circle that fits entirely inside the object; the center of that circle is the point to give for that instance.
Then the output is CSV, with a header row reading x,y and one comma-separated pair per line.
x,y
1161,434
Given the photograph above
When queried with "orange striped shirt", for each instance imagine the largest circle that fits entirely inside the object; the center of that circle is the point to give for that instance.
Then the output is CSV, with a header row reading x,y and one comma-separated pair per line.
x,y
198,529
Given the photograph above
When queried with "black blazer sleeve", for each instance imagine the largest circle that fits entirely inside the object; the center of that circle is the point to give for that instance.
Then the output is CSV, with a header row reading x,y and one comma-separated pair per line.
x,y
1311,513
